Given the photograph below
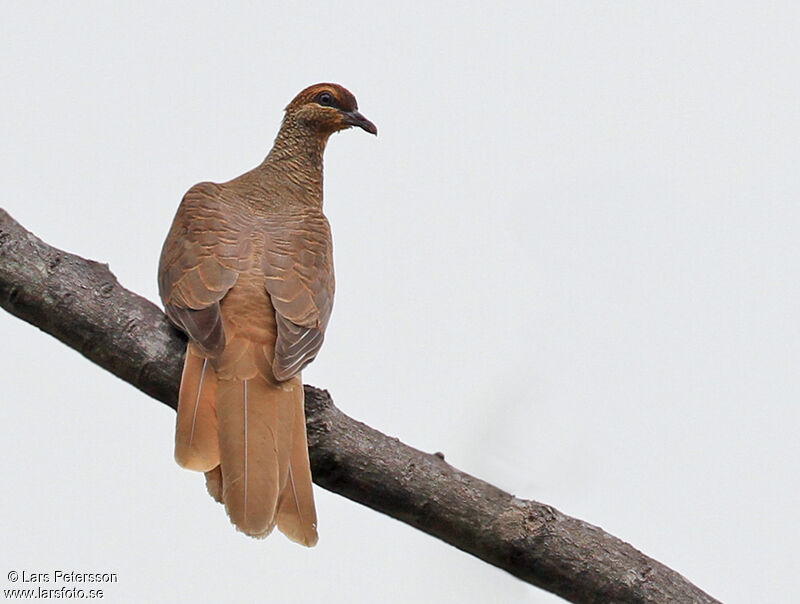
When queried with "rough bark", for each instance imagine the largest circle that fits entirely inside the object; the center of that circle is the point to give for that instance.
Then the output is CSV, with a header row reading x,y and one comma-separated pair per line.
x,y
81,303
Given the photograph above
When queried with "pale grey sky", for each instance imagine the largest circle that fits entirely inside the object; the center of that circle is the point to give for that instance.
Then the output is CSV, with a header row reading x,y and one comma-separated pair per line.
x,y
569,261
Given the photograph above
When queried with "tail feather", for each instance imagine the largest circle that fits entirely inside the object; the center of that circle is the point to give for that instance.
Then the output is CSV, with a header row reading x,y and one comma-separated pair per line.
x,y
196,441
297,515
248,435
214,484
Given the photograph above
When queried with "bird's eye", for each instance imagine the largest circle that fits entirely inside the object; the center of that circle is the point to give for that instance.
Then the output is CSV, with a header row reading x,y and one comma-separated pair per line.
x,y
326,98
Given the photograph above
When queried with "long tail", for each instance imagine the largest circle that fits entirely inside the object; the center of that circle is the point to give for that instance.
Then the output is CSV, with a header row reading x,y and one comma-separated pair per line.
x,y
196,441
297,515
264,477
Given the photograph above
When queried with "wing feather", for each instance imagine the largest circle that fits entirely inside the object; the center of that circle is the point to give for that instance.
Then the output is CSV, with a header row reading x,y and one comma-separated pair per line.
x,y
298,270
202,257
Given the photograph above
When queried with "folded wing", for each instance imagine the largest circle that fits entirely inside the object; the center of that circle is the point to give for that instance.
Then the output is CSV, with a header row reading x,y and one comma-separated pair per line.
x,y
298,269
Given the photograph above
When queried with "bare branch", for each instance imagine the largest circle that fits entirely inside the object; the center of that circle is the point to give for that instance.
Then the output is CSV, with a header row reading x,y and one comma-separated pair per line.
x,y
81,303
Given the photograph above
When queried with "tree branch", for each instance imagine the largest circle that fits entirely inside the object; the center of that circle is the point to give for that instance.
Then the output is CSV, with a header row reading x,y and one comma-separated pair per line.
x,y
81,303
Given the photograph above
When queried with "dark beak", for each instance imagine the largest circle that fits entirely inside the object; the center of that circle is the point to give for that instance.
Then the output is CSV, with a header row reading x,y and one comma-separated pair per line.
x,y
354,118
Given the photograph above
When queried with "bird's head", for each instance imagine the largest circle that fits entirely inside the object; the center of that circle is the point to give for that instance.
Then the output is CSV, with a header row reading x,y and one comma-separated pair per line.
x,y
328,108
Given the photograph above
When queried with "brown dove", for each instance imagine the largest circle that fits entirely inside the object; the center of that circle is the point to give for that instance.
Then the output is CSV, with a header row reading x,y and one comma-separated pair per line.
x,y
247,272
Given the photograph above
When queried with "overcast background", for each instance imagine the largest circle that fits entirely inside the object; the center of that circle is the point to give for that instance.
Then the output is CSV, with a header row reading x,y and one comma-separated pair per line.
x,y
569,261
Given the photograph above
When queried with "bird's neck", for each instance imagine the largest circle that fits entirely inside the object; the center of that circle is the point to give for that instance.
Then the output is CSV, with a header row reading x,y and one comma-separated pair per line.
x,y
295,162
